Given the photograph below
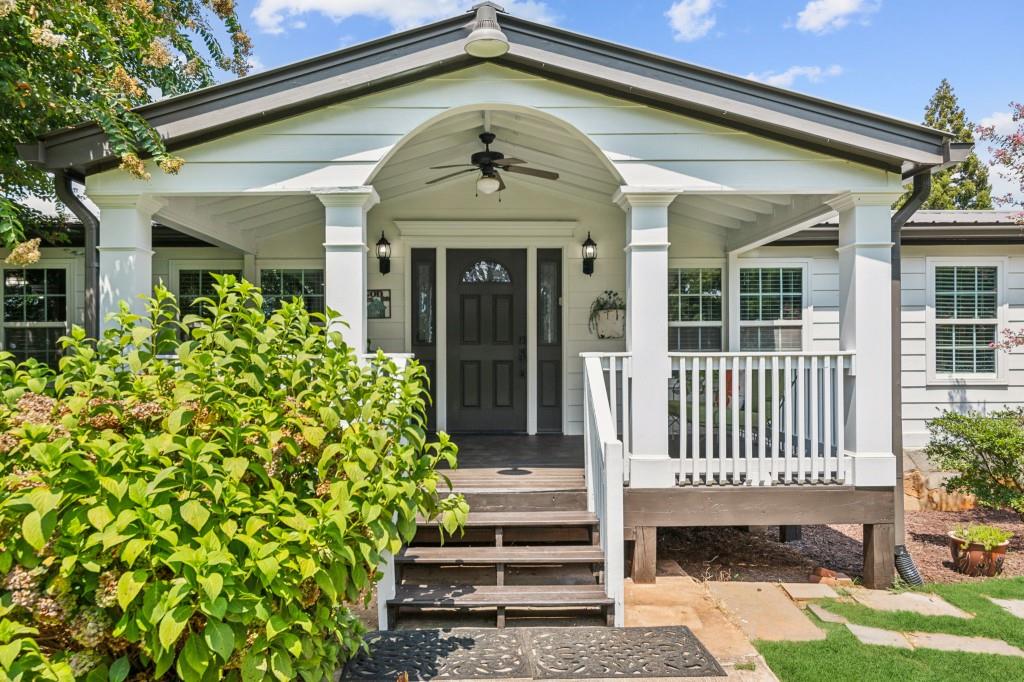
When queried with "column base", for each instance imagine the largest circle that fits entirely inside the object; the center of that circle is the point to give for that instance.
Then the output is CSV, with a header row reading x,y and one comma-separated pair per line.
x,y
872,469
652,471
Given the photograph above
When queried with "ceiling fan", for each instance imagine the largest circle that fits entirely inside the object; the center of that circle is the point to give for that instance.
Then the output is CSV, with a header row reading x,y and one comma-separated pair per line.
x,y
488,163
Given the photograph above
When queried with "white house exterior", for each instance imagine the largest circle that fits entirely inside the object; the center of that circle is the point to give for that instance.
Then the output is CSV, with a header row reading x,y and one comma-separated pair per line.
x,y
748,229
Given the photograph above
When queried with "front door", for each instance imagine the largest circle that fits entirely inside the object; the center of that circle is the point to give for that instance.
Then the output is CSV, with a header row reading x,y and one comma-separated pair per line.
x,y
486,340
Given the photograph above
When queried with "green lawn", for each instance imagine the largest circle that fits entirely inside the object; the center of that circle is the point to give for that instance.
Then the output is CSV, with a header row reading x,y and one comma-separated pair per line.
x,y
841,657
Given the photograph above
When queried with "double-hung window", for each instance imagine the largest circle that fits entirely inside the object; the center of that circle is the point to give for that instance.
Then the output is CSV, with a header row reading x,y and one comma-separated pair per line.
x,y
695,309
966,302
284,284
771,308
35,312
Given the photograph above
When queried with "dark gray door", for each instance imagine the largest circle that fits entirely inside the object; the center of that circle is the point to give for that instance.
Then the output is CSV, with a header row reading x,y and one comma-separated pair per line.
x,y
486,340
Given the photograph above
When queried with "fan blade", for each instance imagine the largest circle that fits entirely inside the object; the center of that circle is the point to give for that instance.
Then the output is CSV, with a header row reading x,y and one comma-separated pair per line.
x,y
452,175
454,165
547,175
509,162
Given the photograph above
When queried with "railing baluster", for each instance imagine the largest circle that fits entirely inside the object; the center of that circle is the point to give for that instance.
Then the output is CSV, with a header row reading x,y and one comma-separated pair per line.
x,y
765,468
695,418
826,409
735,398
613,391
787,409
722,442
752,476
812,442
840,420
800,407
685,464
776,436
709,418
627,372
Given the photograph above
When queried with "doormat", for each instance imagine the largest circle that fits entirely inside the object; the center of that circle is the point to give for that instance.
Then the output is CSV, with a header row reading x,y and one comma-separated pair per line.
x,y
577,653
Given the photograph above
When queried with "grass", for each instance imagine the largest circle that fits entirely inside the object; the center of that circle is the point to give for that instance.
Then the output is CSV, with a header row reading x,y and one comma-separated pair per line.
x,y
841,657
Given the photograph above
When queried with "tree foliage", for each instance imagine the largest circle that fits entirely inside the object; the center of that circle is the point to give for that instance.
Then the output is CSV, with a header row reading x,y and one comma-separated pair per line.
x,y
987,453
966,186
210,515
1008,152
68,62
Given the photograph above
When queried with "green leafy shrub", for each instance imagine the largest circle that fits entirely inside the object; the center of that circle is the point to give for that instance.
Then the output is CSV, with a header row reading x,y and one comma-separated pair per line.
x,y
208,515
989,537
985,451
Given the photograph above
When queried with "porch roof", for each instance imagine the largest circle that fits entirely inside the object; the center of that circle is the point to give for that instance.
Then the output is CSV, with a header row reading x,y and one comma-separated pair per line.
x,y
553,53
931,228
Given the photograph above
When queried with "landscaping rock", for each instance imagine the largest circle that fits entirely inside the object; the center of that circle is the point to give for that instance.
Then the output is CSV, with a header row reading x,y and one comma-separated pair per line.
x,y
973,645
915,602
808,591
879,637
1014,606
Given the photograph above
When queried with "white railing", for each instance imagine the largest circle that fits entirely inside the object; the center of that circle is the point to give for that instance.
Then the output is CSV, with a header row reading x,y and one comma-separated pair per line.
x,y
605,459
758,418
616,369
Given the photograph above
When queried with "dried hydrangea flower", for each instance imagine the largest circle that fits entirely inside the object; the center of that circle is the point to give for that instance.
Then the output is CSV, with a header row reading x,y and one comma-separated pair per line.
x,y
25,253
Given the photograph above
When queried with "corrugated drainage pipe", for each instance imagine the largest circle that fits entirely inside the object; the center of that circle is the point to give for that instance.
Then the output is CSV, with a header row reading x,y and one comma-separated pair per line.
x,y
922,188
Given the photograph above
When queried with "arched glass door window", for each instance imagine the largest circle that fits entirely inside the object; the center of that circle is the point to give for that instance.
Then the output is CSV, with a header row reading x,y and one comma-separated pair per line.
x,y
486,272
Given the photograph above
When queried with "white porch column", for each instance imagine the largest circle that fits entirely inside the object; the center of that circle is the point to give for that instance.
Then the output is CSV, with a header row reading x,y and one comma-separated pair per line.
x,y
647,334
865,326
345,257
126,252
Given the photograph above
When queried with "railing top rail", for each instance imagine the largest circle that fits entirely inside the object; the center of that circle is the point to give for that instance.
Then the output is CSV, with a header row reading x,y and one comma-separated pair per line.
x,y
766,354
600,354
603,419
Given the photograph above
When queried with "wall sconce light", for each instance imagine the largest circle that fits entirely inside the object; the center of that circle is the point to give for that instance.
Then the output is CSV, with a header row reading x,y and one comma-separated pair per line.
x,y
384,254
589,255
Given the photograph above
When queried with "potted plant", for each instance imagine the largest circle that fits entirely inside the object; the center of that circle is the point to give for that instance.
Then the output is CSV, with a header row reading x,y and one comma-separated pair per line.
x,y
608,316
979,550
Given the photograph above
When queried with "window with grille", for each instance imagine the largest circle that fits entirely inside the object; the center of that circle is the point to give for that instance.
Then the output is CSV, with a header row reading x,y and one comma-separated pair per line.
x,y
695,309
281,285
35,312
771,308
198,283
966,318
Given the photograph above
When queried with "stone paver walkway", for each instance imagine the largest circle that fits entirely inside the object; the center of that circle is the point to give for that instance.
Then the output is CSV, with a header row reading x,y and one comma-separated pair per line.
x,y
808,591
915,602
1014,606
765,611
933,640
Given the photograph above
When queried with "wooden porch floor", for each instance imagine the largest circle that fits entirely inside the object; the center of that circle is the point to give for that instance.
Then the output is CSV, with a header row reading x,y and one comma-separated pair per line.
x,y
515,462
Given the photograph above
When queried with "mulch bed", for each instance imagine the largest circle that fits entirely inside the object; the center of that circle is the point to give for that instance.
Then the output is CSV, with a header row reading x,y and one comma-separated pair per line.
x,y
733,554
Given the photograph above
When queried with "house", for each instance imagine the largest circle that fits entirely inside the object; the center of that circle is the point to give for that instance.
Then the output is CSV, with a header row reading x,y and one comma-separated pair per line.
x,y
447,178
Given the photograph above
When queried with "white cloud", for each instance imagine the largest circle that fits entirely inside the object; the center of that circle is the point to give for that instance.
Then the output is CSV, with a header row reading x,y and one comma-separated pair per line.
x,y
270,15
255,65
785,79
1001,185
691,19
822,16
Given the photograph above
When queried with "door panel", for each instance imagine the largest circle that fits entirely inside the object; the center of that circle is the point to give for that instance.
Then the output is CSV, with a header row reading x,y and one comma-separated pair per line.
x,y
487,340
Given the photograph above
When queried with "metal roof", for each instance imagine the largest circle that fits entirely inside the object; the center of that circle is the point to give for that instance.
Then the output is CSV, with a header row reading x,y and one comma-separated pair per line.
x,y
932,228
554,53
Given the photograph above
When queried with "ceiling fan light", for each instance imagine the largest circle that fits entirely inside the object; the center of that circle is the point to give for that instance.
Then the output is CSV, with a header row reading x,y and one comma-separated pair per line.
x,y
487,184
486,43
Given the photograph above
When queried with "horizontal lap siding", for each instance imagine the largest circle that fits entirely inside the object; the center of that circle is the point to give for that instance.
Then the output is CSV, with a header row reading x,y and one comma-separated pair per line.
x,y
921,402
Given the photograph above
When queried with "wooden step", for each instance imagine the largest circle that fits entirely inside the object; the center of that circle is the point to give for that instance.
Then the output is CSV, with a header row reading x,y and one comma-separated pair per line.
x,y
525,519
540,554
525,501
470,596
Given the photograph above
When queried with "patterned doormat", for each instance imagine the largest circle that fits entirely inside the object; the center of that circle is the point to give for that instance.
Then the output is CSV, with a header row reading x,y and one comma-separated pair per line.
x,y
577,653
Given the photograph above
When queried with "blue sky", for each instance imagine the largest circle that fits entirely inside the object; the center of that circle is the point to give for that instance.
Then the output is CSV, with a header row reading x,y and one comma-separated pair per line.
x,y
882,55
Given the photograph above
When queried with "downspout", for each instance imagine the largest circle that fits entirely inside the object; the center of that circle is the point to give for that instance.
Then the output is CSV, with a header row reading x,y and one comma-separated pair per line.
x,y
91,226
922,188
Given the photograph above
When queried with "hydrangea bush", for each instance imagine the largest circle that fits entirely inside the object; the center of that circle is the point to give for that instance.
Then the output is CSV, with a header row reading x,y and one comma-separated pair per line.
x,y
210,514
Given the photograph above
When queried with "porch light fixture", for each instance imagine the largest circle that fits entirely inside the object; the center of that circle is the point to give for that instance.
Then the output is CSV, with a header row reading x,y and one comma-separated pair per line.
x,y
487,40
384,254
589,255
488,184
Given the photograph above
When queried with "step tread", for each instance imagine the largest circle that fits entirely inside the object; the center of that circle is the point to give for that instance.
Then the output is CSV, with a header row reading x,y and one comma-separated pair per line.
x,y
504,595
528,554
525,519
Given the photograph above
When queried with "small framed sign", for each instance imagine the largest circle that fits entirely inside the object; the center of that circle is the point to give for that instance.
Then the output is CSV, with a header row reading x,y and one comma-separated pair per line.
x,y
378,304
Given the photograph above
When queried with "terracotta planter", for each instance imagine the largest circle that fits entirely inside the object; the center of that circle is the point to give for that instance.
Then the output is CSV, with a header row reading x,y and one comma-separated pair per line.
x,y
611,324
973,559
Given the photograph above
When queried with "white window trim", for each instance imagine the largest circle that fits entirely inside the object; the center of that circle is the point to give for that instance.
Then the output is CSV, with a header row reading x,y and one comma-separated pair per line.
x,y
174,268
806,323
1001,376
69,266
292,264
706,264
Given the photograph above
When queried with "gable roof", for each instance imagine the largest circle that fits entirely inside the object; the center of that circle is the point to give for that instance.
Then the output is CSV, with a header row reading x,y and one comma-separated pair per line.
x,y
554,53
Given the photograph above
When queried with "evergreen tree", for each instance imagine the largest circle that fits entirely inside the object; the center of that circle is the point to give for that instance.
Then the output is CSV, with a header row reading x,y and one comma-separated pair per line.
x,y
965,186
